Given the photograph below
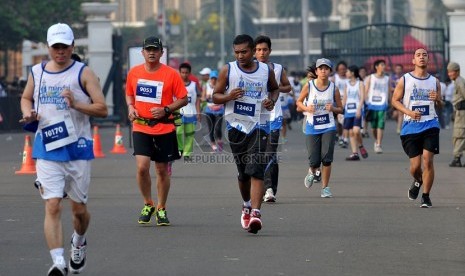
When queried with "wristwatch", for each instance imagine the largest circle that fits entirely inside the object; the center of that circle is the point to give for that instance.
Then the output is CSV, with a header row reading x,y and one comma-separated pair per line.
x,y
167,110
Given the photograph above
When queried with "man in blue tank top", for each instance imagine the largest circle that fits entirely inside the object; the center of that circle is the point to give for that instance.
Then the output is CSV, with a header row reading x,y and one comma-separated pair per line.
x,y
249,91
416,95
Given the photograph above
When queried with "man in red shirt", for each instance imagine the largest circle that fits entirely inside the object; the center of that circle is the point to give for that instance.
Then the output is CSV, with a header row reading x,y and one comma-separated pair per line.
x,y
153,92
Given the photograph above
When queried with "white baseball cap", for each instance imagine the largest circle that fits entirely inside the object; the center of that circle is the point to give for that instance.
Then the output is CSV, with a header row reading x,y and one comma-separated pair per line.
x,y
60,33
205,71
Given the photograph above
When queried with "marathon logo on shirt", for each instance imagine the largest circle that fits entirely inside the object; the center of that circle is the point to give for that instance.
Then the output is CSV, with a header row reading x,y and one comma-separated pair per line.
x,y
253,89
52,95
352,94
320,104
419,94
380,87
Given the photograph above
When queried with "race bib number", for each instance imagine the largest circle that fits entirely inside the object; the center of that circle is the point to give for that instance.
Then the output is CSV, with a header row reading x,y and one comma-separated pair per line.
x,y
319,120
149,91
351,106
376,99
58,133
424,109
243,108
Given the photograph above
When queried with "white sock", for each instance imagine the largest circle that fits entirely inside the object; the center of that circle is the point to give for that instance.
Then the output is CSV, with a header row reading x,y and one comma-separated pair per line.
x,y
247,204
56,254
257,211
78,240
310,171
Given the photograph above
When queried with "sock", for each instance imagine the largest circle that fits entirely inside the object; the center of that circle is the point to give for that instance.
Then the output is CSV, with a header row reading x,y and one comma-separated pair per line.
x,y
425,195
78,240
247,204
310,171
56,253
150,202
256,211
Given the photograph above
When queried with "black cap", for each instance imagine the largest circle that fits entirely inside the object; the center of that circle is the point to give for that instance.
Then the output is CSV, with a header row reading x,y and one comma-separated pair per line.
x,y
152,41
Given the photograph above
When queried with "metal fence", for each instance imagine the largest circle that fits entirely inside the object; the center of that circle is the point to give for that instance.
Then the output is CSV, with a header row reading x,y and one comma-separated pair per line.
x,y
395,43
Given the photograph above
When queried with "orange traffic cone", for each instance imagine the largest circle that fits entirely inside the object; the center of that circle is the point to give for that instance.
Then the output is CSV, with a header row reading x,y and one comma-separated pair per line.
x,y
98,153
28,166
119,146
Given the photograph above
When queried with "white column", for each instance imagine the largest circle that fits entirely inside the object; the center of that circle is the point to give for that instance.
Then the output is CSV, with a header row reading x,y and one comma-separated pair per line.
x,y
456,27
100,31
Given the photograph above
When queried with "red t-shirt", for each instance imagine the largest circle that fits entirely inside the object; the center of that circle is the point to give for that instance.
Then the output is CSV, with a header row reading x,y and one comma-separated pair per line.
x,y
145,87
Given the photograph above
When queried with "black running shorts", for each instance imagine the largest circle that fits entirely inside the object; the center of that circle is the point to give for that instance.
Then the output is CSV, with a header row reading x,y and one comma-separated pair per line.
x,y
249,153
161,148
414,144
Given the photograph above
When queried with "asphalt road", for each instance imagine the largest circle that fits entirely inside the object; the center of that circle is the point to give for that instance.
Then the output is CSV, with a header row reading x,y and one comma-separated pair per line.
x,y
368,228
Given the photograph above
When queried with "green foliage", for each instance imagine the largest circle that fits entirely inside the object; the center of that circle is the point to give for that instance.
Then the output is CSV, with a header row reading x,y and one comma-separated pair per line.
x,y
29,19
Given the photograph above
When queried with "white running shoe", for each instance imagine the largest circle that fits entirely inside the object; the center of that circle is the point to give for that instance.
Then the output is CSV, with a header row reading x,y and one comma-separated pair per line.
x,y
269,196
77,262
378,148
58,268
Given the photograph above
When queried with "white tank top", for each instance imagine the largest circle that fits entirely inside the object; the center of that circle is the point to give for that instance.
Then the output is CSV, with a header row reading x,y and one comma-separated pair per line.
x,y
341,84
277,110
353,99
51,104
416,96
58,123
378,92
248,113
189,110
321,119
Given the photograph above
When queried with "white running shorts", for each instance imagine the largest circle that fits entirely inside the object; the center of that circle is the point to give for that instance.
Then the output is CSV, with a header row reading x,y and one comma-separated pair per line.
x,y
57,178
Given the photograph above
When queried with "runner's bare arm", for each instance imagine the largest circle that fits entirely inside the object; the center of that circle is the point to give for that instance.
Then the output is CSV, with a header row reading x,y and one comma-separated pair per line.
x,y
90,82
338,109
284,84
273,91
396,101
300,101
29,114
219,96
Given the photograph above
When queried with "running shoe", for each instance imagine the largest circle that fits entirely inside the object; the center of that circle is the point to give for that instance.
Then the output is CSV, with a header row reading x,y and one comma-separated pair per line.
x,y
255,223
245,217
363,151
317,177
188,159
378,149
269,196
326,193
146,214
308,182
414,190
353,157
58,268
426,201
77,262
214,147
162,217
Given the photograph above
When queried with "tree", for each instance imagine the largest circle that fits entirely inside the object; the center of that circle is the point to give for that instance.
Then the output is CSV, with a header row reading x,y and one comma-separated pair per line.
x,y
29,19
